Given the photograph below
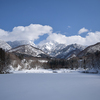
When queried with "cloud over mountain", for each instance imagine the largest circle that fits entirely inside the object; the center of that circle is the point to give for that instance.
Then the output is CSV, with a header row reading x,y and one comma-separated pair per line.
x,y
31,32
34,31
89,39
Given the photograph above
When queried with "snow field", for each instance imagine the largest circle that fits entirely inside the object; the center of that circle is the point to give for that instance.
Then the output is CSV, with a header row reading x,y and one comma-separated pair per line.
x,y
63,86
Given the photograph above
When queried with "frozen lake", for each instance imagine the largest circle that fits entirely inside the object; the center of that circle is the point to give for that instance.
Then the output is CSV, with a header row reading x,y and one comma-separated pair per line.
x,y
65,86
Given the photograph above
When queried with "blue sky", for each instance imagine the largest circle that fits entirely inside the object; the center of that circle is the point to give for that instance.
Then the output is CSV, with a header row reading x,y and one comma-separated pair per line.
x,y
66,17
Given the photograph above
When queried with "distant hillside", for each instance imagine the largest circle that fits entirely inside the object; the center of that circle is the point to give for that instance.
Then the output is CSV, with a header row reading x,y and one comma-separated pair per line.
x,y
29,50
90,49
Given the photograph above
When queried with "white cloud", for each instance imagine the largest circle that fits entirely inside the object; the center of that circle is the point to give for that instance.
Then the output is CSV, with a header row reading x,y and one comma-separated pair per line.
x,y
82,30
3,33
34,31
64,39
31,32
92,38
89,39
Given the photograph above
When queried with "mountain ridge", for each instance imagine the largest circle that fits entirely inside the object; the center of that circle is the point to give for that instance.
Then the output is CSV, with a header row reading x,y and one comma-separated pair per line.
x,y
29,50
70,50
90,49
53,49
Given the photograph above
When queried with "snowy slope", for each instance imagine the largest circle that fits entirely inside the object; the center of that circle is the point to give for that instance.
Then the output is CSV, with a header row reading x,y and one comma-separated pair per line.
x,y
51,47
90,49
48,46
21,42
28,50
4,45
70,51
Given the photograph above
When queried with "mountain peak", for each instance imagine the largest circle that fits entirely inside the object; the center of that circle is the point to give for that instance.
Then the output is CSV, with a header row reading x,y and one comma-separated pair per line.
x,y
51,47
4,45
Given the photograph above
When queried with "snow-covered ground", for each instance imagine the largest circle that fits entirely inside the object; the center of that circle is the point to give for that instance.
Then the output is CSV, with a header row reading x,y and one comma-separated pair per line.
x,y
56,86
41,71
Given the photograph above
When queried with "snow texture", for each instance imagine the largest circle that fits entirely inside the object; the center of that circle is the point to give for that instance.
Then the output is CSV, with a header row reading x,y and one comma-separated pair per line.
x,y
70,86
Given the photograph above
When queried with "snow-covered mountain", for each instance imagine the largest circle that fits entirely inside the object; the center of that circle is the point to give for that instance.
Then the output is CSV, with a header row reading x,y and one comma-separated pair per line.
x,y
19,43
90,49
64,51
4,45
51,47
29,50
48,46
70,51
